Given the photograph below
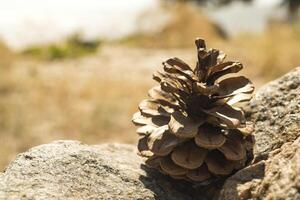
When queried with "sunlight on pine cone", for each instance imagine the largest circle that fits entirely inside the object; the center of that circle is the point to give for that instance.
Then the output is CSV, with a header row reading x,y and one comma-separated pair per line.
x,y
191,126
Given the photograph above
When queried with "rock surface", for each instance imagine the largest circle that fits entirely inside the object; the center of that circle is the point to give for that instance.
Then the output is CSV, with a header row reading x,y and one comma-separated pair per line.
x,y
71,170
278,177
275,110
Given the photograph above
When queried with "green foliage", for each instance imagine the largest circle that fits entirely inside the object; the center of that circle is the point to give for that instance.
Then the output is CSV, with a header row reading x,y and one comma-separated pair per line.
x,y
73,47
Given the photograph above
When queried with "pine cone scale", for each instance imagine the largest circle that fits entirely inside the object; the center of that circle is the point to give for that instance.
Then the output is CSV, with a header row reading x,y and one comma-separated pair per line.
x,y
161,142
178,62
218,164
199,174
189,155
161,96
233,150
153,108
183,126
209,137
232,86
146,130
171,168
231,117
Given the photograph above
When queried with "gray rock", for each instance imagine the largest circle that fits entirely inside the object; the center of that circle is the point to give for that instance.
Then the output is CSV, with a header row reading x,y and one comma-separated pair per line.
x,y
71,170
275,110
278,177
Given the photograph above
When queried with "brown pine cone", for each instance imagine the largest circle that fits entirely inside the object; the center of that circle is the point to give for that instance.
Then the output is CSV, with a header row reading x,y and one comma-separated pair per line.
x,y
191,127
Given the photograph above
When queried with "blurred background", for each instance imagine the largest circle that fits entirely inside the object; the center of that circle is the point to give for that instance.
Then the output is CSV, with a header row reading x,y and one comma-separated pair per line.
x,y
78,69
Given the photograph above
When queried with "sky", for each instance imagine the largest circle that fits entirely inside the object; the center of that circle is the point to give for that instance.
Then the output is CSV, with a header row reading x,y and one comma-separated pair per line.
x,y
31,22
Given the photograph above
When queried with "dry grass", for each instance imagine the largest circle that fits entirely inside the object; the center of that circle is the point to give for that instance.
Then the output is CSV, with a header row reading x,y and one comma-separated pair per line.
x,y
269,55
6,56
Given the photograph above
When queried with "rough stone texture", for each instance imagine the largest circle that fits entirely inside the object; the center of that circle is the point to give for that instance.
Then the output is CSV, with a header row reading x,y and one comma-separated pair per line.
x,y
71,170
275,178
275,110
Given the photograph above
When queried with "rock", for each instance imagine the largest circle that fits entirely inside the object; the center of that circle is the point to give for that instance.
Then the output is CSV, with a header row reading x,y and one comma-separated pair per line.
x,y
72,170
275,111
278,177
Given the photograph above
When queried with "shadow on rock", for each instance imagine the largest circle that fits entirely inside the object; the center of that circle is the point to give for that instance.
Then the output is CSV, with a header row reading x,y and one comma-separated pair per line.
x,y
167,188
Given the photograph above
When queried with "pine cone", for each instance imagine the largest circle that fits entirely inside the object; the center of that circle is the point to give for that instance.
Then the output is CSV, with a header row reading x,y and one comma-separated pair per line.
x,y
190,126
